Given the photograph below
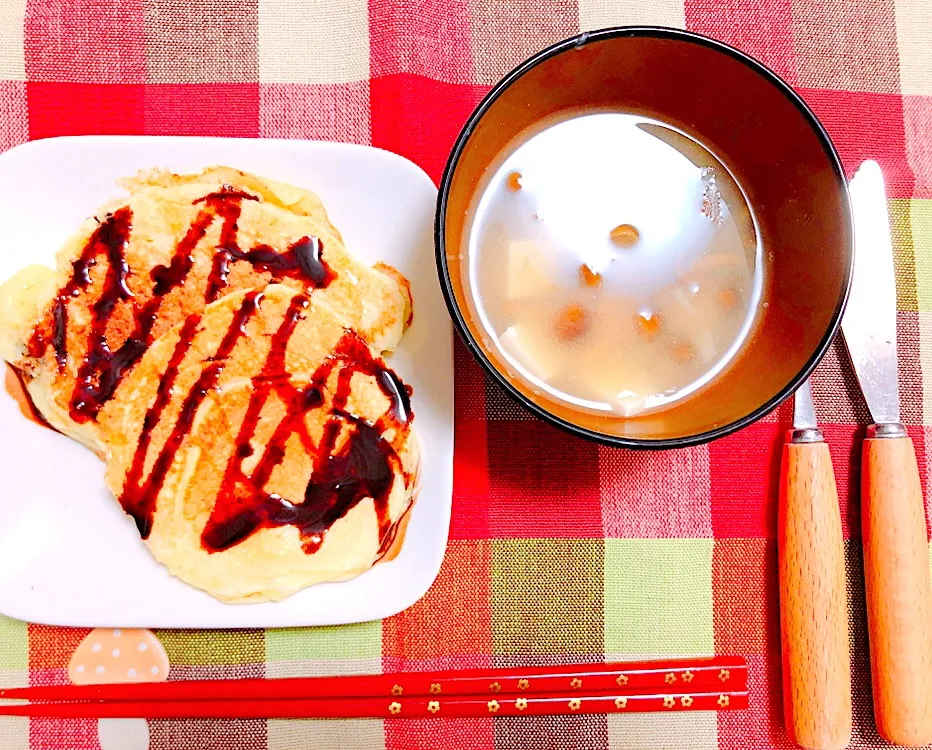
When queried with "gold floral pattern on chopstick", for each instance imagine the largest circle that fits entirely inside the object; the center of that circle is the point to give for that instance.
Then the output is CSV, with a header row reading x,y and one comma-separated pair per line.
x,y
435,688
621,702
669,701
574,704
495,687
493,706
523,684
394,707
575,683
723,701
433,706
521,704
686,701
724,675
621,680
687,676
669,678
397,690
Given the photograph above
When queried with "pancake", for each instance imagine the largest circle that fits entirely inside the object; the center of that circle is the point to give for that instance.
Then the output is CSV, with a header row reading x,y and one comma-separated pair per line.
x,y
176,244
262,446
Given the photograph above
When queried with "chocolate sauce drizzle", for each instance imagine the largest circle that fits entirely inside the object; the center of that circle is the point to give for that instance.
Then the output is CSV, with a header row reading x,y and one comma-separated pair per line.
x,y
301,260
102,368
363,466
138,497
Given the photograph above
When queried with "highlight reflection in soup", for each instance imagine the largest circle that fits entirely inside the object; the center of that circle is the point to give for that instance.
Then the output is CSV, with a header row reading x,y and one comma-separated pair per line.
x,y
613,263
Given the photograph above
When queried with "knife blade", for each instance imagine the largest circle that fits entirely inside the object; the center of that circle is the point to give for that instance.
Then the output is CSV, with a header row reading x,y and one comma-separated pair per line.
x,y
804,417
869,323
897,580
813,600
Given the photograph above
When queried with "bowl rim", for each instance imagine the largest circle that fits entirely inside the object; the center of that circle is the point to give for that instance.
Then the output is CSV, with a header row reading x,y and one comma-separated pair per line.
x,y
444,272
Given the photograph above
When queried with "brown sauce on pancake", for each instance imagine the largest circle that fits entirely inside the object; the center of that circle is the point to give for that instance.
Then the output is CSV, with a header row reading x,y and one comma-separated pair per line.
x,y
363,466
226,192
398,393
138,498
301,260
102,368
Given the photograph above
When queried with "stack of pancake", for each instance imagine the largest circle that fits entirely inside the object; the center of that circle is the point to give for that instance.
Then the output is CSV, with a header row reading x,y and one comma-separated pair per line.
x,y
212,339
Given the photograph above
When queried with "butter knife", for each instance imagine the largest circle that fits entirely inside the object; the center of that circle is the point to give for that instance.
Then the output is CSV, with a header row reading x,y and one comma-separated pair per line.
x,y
813,604
896,553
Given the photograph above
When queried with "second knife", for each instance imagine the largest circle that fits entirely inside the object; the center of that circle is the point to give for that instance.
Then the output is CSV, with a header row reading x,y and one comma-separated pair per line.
x,y
897,580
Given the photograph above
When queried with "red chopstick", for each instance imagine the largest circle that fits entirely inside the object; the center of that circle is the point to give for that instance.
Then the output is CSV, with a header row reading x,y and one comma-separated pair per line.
x,y
704,675
439,706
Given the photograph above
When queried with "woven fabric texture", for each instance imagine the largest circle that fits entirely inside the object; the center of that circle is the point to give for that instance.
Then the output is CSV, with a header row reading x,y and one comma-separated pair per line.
x,y
581,554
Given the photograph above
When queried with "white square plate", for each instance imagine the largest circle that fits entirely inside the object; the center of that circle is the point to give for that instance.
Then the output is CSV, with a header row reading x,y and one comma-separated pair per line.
x,y
68,554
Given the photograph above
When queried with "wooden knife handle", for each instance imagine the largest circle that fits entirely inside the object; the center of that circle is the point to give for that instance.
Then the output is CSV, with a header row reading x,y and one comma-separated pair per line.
x,y
899,591
813,601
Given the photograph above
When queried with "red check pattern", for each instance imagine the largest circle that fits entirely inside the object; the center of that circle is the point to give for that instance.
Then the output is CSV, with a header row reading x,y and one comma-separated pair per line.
x,y
560,549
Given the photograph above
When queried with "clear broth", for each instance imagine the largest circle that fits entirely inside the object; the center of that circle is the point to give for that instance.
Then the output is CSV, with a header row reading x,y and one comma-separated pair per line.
x,y
613,262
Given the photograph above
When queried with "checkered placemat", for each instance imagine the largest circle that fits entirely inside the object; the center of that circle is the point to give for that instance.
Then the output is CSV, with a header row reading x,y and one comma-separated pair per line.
x,y
579,554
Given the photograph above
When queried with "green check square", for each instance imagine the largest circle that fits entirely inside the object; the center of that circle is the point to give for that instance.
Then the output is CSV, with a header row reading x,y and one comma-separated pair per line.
x,y
213,647
912,228
547,596
360,641
14,644
658,597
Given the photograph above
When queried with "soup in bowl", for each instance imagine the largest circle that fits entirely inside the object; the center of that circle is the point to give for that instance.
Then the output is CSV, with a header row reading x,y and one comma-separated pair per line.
x,y
644,236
